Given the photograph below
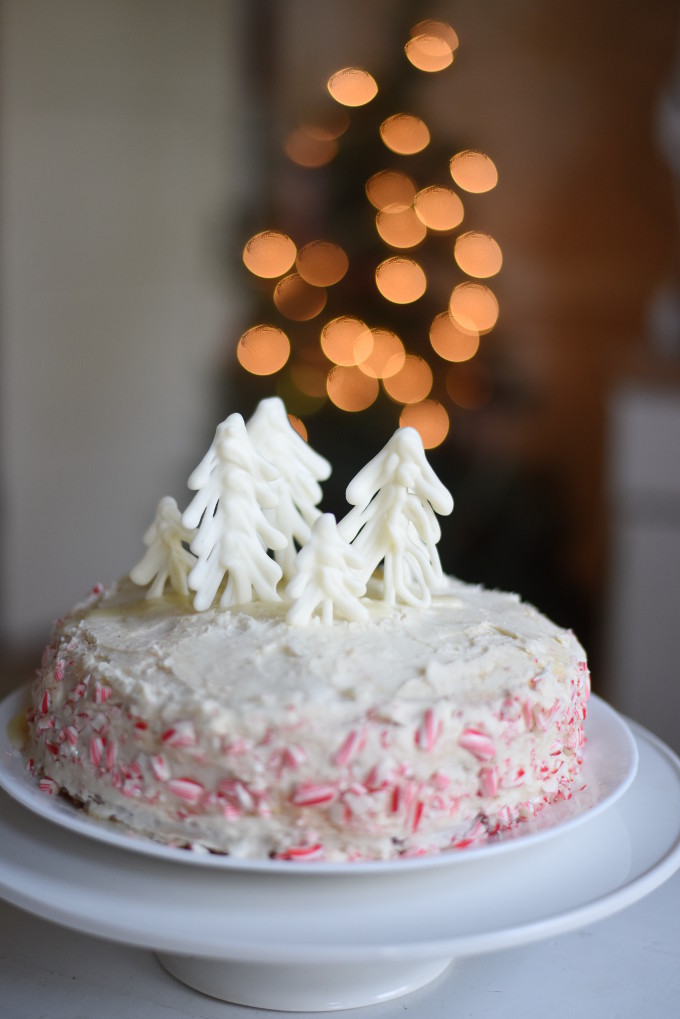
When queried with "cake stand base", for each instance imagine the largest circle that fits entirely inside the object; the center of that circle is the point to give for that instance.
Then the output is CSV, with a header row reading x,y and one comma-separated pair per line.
x,y
315,987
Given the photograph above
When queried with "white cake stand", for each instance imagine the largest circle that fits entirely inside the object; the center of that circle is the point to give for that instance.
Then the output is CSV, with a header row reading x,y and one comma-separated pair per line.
x,y
320,938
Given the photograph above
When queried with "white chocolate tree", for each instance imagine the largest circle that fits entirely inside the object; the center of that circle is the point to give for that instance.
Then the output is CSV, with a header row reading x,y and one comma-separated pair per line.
x,y
297,487
166,557
233,486
394,498
328,575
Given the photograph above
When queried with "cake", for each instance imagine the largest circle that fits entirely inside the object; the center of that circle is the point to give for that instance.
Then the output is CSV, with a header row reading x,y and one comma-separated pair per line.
x,y
345,712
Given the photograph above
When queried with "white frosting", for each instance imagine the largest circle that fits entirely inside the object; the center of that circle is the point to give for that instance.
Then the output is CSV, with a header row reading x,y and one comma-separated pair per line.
x,y
395,497
234,485
234,730
300,469
328,575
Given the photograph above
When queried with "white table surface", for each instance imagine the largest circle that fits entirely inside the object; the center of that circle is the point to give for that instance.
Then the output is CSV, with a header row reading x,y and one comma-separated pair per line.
x,y
625,966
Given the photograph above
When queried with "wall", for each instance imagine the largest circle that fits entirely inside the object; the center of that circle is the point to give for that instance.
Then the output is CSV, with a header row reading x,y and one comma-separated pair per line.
x,y
116,173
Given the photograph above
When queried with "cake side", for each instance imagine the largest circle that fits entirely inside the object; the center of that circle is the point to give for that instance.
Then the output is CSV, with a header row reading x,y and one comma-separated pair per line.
x,y
234,731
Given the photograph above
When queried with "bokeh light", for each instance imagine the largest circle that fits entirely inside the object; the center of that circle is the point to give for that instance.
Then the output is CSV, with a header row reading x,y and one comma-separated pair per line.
x,y
399,226
478,254
322,263
473,171
306,148
428,53
469,386
429,418
352,86
349,389
432,28
330,126
451,342
297,300
405,134
439,208
269,254
346,340
474,307
299,426
400,280
387,357
309,376
263,350
390,187
412,383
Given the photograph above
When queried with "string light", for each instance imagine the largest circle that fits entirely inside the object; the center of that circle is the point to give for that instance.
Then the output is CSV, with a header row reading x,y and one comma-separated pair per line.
x,y
439,208
387,357
450,341
473,307
400,280
399,226
478,254
363,360
473,171
346,340
351,390
412,383
405,134
297,300
390,187
322,263
429,418
263,350
352,86
269,254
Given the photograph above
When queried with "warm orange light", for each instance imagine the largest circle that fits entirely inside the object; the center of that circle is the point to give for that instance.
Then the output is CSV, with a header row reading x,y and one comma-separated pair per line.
x,y
405,134
478,254
451,342
412,383
428,53
322,263
399,226
352,86
263,350
299,427
390,187
429,418
331,126
308,149
469,386
473,171
387,357
474,307
437,30
400,280
310,377
439,208
269,254
346,340
297,300
351,390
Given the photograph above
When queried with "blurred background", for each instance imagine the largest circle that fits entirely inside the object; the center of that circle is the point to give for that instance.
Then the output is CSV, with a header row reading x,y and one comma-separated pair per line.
x,y
145,148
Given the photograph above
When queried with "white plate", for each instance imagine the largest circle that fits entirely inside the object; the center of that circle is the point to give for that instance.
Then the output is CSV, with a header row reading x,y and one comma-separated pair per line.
x,y
288,942
609,766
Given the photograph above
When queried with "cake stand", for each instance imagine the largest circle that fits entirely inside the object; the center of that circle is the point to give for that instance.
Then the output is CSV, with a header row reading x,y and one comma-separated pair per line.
x,y
330,937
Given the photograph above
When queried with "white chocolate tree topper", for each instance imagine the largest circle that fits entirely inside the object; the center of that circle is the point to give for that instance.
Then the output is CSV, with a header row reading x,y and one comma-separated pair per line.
x,y
233,486
328,576
166,556
300,471
395,497
257,491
